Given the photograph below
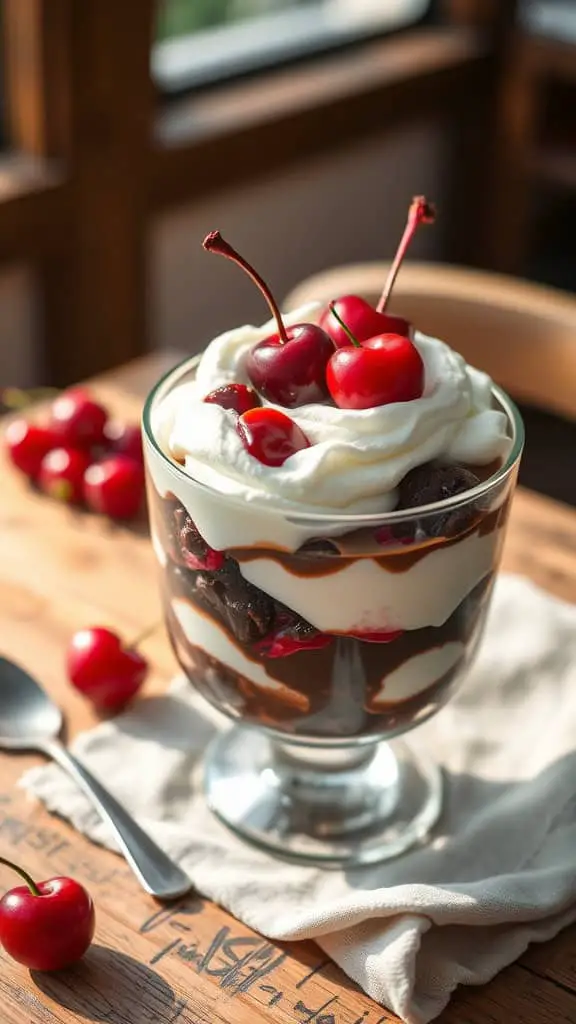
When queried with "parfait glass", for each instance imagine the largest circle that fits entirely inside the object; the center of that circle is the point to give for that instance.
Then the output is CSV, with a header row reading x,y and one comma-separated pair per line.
x,y
324,639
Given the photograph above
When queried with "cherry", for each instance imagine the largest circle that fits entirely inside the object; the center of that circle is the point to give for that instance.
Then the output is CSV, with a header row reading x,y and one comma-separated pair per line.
x,y
124,438
192,548
362,318
102,669
270,436
237,397
379,371
78,420
27,444
46,925
288,367
114,486
291,635
62,474
294,373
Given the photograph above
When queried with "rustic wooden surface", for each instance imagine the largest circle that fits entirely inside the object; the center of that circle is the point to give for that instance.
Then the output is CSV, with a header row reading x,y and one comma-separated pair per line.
x,y
191,962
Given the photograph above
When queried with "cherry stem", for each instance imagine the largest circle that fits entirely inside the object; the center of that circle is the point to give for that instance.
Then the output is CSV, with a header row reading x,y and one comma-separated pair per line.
x,y
420,212
344,326
142,636
215,243
23,875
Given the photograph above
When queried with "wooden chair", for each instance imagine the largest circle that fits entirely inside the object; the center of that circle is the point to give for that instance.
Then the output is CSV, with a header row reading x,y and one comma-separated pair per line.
x,y
522,334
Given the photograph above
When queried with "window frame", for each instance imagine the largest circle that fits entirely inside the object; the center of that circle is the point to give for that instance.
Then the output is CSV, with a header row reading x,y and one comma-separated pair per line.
x,y
83,114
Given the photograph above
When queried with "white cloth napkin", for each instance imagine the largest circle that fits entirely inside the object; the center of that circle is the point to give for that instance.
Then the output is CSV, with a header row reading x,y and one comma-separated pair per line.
x,y
499,873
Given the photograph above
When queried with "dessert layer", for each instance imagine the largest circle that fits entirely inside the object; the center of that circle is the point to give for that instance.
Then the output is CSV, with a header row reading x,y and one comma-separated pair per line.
x,y
339,587
340,595
235,525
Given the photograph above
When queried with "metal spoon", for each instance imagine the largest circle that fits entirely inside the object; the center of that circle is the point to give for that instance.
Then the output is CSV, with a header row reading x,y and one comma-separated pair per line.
x,y
29,720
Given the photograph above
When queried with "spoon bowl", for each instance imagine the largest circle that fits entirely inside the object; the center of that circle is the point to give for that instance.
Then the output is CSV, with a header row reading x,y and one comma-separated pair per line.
x,y
28,717
30,720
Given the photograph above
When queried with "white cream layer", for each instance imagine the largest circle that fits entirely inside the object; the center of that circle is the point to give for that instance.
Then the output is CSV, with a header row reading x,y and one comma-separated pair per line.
x,y
357,457
364,596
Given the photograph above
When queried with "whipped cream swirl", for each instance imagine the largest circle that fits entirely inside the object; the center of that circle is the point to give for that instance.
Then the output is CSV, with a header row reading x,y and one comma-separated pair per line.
x,y
357,457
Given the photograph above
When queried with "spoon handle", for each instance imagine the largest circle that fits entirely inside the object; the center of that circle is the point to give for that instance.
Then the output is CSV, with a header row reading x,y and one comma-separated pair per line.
x,y
159,875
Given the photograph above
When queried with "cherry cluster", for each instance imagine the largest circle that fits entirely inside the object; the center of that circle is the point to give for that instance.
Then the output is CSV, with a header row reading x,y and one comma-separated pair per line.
x,y
81,456
358,356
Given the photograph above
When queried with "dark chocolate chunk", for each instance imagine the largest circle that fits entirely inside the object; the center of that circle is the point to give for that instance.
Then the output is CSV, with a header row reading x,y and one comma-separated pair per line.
x,y
433,482
246,610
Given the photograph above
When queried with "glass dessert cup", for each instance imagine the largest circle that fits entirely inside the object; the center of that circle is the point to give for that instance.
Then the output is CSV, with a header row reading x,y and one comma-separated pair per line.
x,y
324,638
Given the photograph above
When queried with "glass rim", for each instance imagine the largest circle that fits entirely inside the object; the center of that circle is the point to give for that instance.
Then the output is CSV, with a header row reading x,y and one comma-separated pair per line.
x,y
355,518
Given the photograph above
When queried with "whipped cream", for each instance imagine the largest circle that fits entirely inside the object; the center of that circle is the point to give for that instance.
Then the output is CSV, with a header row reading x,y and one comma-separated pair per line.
x,y
357,457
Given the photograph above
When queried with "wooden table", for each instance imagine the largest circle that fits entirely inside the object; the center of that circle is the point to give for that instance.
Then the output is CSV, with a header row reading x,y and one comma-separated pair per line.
x,y
192,962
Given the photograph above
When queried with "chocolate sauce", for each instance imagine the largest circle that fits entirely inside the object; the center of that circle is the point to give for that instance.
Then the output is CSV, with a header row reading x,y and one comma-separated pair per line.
x,y
338,689
396,558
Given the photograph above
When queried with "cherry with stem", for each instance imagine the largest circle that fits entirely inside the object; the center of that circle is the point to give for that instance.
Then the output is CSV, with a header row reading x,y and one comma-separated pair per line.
x,y
45,925
289,367
106,671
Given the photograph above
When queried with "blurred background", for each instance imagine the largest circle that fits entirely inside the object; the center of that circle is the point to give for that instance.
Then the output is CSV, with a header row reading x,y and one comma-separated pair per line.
x,y
300,128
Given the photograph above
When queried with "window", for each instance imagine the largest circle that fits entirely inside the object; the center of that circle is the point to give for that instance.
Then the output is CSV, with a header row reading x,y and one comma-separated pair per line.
x,y
200,42
87,165
555,18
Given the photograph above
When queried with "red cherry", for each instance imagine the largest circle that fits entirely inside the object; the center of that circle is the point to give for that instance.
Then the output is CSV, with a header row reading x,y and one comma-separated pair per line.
x,y
105,672
61,474
289,635
289,367
362,319
27,444
377,372
281,646
114,486
293,372
192,548
270,436
46,925
237,397
78,420
124,438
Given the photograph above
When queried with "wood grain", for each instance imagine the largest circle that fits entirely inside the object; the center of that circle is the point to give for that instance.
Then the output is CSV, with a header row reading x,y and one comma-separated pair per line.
x,y
191,962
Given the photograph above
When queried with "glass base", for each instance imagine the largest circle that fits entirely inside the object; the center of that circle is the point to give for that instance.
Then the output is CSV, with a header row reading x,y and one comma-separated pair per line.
x,y
331,807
